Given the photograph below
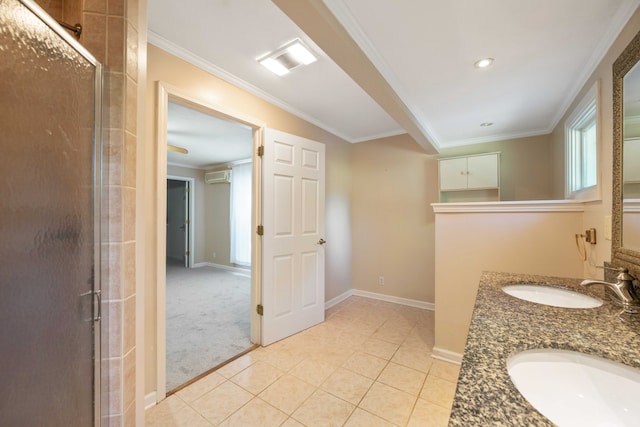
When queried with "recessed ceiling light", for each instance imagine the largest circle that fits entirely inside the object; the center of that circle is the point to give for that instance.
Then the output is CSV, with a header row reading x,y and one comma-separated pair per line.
x,y
486,124
483,63
288,57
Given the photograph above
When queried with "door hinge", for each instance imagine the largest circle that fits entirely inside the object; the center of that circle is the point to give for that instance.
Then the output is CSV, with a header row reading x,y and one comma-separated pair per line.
x,y
187,222
260,309
260,230
187,253
261,151
186,189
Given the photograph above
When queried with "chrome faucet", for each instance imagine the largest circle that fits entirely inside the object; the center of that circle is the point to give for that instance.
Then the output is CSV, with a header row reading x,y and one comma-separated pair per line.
x,y
626,292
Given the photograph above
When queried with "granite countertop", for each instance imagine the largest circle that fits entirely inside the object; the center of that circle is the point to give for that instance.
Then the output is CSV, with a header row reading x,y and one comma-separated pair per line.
x,y
503,325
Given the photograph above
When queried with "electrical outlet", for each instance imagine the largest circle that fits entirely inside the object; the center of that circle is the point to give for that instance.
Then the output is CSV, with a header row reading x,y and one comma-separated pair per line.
x,y
215,254
381,280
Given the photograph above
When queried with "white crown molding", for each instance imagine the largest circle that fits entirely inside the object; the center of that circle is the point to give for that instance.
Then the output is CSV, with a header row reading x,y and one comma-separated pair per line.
x,y
182,165
632,120
509,207
164,44
346,18
631,205
494,138
343,14
380,135
617,24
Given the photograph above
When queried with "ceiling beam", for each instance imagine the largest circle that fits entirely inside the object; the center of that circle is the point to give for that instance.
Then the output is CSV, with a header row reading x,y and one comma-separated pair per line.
x,y
317,21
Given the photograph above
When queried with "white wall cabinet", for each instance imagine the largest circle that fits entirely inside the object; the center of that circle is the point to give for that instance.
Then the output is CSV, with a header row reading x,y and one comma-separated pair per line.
x,y
631,164
478,172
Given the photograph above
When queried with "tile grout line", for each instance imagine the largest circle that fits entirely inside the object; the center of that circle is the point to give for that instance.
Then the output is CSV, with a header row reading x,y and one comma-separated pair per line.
x,y
338,333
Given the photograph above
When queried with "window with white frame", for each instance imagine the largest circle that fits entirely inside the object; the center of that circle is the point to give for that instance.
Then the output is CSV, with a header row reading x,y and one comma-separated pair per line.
x,y
581,139
241,213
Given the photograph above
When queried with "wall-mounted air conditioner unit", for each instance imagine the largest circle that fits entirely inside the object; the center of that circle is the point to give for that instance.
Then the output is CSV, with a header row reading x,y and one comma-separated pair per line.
x,y
218,177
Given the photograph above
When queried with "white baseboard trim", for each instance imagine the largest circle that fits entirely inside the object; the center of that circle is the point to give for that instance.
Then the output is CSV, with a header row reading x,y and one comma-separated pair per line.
x,y
337,300
398,300
223,267
150,400
446,355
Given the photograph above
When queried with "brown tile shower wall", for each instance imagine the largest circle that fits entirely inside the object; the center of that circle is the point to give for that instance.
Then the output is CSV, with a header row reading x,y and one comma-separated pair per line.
x,y
110,33
111,27
52,7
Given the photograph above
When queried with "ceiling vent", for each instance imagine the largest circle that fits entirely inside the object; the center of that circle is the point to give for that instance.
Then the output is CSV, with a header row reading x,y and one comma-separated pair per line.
x,y
288,57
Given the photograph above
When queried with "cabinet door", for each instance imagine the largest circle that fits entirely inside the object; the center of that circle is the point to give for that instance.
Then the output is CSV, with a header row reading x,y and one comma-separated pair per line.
x,y
482,171
630,167
453,174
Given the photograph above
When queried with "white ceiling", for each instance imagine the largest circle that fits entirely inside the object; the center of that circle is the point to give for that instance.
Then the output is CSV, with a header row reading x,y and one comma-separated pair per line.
x,y
209,140
413,72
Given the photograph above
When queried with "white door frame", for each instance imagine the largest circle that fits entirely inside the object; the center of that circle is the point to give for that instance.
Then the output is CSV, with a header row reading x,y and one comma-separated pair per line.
x,y
166,92
191,223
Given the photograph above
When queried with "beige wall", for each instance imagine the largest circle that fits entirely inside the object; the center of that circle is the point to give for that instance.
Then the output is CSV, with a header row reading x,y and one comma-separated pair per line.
x,y
199,84
469,243
596,212
526,166
199,212
211,217
387,186
218,228
631,236
539,243
338,208
394,182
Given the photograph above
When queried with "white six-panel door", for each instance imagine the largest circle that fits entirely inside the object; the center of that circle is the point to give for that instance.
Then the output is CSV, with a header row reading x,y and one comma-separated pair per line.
x,y
293,220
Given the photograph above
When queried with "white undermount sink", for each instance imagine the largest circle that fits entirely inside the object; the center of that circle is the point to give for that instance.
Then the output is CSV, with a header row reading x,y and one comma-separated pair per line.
x,y
576,389
553,296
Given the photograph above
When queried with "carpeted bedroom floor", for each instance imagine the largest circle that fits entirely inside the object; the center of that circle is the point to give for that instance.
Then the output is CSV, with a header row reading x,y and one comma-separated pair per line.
x,y
208,320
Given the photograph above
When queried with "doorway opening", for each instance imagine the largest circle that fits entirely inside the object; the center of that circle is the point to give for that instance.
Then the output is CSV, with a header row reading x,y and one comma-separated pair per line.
x,y
179,217
208,243
287,224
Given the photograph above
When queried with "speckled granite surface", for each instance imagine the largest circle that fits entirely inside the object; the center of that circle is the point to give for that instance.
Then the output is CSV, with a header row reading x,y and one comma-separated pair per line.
x,y
502,325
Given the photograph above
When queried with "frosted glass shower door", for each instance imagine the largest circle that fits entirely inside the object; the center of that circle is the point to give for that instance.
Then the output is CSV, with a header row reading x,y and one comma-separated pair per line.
x,y
48,233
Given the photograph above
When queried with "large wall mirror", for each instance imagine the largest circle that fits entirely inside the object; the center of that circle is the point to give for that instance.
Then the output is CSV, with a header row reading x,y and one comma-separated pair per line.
x,y
626,157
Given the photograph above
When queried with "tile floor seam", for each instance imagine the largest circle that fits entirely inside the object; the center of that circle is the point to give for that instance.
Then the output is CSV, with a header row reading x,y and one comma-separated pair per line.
x,y
413,407
338,339
302,403
357,405
306,425
377,416
254,397
196,409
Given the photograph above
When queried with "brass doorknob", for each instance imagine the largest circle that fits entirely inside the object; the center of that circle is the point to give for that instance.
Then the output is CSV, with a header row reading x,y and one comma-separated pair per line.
x,y
322,242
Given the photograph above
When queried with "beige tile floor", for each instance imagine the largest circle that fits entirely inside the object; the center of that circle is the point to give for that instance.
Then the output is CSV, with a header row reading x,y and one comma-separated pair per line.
x,y
369,364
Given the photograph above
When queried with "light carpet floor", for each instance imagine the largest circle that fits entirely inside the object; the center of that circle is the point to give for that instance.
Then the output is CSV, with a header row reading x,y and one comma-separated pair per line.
x,y
208,320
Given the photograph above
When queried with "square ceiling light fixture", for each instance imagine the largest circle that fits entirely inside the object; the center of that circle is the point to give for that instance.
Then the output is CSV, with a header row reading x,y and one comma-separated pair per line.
x,y
288,57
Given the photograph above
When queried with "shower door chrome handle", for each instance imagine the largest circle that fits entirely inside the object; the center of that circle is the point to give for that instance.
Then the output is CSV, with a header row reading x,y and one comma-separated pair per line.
x,y
97,298
98,295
